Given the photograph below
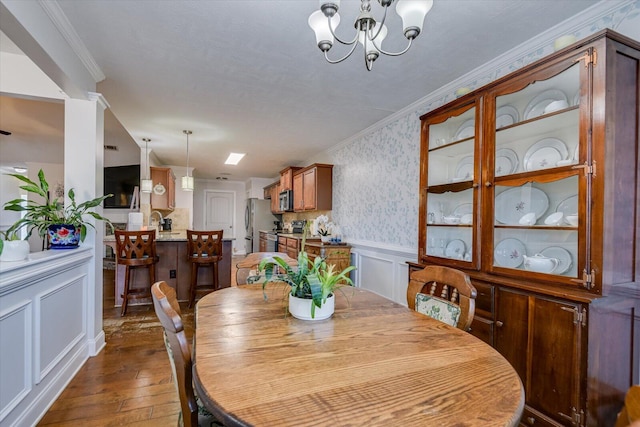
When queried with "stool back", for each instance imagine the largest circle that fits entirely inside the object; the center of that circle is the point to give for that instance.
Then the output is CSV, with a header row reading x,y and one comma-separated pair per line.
x,y
136,248
204,246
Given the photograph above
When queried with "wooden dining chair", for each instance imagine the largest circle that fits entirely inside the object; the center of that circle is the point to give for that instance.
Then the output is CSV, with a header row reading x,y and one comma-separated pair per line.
x,y
204,249
167,309
629,416
443,293
136,250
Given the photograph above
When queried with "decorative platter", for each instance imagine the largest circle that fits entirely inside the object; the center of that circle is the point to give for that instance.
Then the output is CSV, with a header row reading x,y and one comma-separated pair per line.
x,y
562,255
539,102
576,98
466,130
464,170
515,202
568,206
455,249
506,115
545,154
159,189
506,162
463,209
509,253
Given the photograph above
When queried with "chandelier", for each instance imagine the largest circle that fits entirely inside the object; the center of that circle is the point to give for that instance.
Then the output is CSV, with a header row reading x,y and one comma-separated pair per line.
x,y
187,180
369,32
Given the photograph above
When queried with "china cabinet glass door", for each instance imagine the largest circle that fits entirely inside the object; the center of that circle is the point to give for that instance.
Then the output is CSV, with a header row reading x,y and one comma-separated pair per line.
x,y
450,205
534,182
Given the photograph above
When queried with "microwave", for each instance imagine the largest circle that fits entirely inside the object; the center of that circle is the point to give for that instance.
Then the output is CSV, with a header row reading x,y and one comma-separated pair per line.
x,y
286,201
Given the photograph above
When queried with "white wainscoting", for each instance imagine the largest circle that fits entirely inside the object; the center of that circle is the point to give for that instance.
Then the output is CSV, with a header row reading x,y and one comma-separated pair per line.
x,y
382,269
43,331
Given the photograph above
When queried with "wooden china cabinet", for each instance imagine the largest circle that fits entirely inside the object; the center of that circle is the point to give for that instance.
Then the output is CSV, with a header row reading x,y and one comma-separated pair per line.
x,y
531,185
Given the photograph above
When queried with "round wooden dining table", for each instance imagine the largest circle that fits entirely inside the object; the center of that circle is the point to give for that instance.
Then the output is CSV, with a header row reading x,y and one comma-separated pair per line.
x,y
373,363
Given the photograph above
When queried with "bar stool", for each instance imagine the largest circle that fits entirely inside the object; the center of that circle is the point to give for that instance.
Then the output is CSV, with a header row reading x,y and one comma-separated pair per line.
x,y
204,249
134,250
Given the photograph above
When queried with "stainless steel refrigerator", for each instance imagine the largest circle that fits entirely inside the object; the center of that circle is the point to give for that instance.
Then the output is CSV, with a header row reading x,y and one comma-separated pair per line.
x,y
257,216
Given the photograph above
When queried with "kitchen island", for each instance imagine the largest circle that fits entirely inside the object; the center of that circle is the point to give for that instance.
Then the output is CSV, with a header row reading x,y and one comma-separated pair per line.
x,y
173,266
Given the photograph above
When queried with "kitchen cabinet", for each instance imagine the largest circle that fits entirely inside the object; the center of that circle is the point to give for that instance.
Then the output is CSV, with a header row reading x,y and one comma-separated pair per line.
x,y
545,161
338,255
312,188
263,242
286,178
163,194
272,192
291,244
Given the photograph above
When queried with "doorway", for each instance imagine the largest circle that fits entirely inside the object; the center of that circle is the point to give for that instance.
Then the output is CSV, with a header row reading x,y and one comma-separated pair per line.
x,y
219,211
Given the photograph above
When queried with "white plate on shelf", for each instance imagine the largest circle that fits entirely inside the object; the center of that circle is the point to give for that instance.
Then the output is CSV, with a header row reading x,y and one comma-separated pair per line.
x,y
562,255
464,170
466,130
576,98
544,154
466,219
509,253
463,209
506,115
576,153
513,203
539,102
568,206
455,249
506,161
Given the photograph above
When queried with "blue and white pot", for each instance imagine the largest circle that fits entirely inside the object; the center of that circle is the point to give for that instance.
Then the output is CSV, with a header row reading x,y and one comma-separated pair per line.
x,y
63,236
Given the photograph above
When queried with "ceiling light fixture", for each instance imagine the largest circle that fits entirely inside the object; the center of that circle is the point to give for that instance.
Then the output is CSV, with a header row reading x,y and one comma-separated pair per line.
x,y
187,181
369,32
146,185
234,158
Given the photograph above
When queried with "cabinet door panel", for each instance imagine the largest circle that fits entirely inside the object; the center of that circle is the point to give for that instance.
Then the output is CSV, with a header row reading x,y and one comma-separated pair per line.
x,y
511,330
555,364
297,193
309,189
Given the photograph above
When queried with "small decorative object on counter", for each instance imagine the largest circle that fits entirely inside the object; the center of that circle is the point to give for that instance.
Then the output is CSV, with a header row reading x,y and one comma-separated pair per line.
x,y
321,226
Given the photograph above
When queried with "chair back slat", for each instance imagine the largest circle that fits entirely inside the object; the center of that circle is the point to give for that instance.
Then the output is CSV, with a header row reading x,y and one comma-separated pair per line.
x,y
204,245
135,247
167,309
446,283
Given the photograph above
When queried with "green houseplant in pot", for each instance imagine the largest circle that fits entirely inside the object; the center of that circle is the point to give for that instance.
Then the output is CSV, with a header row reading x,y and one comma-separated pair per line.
x,y
66,226
313,284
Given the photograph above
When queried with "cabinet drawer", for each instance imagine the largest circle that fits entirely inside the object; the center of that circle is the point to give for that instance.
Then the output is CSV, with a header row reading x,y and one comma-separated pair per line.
x,y
312,250
482,328
292,243
484,299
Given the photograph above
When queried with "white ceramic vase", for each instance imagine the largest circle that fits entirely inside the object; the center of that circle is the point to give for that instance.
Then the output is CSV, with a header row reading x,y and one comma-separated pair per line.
x,y
325,239
300,308
15,250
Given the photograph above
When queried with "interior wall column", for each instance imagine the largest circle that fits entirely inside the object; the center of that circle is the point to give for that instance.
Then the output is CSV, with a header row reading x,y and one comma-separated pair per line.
x,y
83,171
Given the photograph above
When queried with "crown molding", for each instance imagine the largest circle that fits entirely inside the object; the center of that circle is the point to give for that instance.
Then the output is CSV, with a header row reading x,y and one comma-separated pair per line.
x,y
101,100
62,24
581,25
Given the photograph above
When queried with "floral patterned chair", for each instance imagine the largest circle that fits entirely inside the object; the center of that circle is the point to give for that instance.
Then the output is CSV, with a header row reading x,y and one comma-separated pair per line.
x,y
444,293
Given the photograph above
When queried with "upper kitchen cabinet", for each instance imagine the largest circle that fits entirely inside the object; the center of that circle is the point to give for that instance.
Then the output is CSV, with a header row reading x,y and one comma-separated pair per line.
x,y
531,186
272,192
286,178
163,194
312,188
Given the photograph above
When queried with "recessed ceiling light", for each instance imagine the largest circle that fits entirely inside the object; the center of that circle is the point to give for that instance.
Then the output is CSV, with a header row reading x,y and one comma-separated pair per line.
x,y
234,158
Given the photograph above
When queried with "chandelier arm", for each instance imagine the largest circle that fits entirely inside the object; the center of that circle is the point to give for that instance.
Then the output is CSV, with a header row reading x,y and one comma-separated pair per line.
x,y
326,56
338,38
384,18
392,53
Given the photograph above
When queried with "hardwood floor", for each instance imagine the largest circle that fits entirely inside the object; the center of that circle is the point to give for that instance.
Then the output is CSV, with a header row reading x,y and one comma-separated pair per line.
x,y
129,382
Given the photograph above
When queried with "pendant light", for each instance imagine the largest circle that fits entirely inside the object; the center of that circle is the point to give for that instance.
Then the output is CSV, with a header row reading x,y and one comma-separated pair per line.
x,y
146,184
187,180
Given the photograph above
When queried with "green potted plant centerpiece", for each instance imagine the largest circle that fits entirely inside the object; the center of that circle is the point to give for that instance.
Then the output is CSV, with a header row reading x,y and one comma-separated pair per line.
x,y
66,226
313,284
12,247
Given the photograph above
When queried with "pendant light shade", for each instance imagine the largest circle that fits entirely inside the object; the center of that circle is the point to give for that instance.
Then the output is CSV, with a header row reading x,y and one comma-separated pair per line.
x,y
187,180
146,184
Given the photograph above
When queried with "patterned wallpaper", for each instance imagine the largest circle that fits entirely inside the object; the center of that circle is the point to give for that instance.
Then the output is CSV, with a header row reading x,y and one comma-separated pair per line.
x,y
375,175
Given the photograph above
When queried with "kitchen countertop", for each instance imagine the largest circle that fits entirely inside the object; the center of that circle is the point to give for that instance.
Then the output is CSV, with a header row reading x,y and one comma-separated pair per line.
x,y
167,236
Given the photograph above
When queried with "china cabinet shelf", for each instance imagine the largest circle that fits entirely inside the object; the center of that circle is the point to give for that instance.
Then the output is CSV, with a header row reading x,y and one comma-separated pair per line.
x,y
556,139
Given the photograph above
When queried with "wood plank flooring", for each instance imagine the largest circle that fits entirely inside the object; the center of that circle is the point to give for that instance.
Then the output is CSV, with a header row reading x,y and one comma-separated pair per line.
x,y
129,382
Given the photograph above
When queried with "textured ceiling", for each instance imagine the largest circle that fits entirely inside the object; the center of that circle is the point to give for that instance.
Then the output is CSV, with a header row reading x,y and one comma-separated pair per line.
x,y
246,76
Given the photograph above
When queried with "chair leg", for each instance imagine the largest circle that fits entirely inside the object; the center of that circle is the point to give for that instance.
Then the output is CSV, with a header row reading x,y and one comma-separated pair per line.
x,y
192,286
125,295
215,276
